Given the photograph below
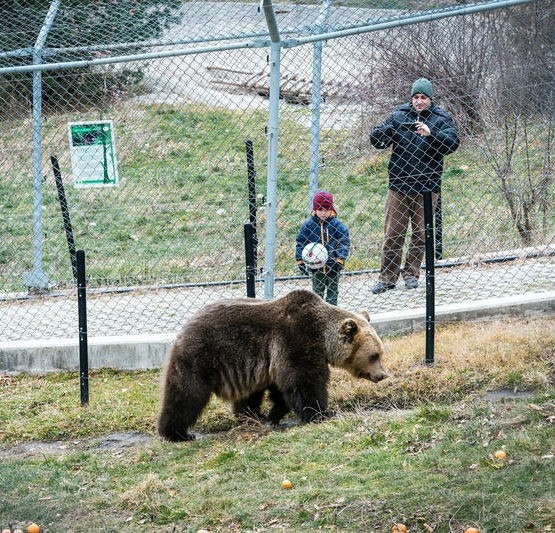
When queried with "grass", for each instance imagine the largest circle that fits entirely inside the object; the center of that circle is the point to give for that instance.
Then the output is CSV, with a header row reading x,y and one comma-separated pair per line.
x,y
183,178
417,448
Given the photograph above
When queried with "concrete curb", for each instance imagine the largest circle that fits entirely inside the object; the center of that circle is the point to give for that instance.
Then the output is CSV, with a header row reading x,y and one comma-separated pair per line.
x,y
137,352
123,352
415,319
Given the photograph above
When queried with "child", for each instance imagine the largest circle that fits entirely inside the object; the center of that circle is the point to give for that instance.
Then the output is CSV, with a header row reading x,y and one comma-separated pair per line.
x,y
324,227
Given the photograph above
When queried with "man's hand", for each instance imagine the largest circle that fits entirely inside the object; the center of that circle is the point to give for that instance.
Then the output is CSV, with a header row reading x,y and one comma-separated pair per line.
x,y
422,129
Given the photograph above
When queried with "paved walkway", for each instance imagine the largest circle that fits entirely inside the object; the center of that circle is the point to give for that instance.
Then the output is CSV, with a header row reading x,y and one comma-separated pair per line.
x,y
163,311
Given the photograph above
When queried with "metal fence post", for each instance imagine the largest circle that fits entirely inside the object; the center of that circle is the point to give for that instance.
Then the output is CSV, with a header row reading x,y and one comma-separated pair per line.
x,y
37,278
273,127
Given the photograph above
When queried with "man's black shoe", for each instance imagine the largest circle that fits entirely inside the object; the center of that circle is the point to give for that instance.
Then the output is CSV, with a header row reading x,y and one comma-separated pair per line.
x,y
411,283
381,286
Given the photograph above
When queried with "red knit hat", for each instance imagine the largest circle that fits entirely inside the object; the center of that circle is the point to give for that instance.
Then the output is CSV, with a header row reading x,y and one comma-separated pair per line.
x,y
322,200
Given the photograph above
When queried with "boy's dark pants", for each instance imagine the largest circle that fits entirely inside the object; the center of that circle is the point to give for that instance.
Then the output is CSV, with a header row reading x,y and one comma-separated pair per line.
x,y
321,282
400,209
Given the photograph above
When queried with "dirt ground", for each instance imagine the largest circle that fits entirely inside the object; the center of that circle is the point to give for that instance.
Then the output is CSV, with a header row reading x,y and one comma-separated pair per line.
x,y
117,443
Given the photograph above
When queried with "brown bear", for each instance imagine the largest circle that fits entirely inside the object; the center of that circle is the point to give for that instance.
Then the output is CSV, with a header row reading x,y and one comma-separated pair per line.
x,y
239,348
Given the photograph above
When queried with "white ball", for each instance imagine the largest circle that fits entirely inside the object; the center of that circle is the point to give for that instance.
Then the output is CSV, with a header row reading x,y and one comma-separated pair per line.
x,y
315,255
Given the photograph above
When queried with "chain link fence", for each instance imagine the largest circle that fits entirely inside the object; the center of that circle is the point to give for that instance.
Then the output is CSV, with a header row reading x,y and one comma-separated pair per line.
x,y
160,208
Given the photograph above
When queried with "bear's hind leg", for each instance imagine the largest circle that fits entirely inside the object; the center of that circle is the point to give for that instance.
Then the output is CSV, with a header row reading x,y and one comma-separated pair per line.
x,y
181,408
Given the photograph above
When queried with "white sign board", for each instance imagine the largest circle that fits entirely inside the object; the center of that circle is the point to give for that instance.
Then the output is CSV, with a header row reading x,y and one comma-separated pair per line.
x,y
93,154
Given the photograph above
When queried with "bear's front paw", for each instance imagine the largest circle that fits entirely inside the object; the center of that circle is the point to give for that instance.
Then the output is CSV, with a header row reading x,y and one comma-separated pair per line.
x,y
312,416
321,416
276,426
178,436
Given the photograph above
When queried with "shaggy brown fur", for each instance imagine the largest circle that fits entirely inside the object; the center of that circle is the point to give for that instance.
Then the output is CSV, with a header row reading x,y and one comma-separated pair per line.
x,y
239,348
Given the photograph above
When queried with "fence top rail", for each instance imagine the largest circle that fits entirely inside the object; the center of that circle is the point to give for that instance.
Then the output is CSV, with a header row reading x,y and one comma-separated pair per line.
x,y
308,28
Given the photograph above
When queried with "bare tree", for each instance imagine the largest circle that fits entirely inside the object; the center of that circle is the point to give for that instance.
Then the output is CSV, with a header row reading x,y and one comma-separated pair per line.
x,y
455,54
520,152
518,110
524,60
495,72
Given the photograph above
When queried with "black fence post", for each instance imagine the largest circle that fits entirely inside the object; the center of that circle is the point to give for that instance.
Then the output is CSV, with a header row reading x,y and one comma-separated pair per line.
x,y
430,276
65,214
251,175
250,260
83,340
439,228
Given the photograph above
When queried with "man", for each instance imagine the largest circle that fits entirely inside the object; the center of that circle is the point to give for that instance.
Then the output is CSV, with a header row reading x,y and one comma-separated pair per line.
x,y
421,134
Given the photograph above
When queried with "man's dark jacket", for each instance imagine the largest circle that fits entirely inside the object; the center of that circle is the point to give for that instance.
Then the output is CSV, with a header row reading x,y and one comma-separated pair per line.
x,y
416,161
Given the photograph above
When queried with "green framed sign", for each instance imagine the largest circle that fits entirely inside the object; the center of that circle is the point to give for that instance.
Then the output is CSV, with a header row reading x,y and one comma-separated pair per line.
x,y
93,154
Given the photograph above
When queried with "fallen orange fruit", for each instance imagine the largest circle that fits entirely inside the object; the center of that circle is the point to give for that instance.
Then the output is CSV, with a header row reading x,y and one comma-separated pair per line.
x,y
33,528
500,454
286,484
471,530
399,528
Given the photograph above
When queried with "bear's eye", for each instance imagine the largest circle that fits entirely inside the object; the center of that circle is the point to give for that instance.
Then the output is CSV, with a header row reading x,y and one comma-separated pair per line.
x,y
373,358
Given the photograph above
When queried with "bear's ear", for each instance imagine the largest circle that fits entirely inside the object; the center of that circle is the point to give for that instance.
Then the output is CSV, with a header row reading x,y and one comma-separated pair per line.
x,y
348,329
364,313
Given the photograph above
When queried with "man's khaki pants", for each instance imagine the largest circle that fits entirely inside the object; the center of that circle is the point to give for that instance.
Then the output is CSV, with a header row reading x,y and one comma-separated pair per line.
x,y
400,210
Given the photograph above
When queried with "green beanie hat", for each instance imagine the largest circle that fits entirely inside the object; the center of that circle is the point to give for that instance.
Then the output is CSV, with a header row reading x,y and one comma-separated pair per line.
x,y
422,86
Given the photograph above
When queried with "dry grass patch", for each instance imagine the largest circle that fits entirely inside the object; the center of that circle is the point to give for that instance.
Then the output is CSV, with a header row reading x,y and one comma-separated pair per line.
x,y
516,354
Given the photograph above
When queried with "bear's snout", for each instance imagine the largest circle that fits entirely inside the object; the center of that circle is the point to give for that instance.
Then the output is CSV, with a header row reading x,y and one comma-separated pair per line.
x,y
374,377
367,364
379,376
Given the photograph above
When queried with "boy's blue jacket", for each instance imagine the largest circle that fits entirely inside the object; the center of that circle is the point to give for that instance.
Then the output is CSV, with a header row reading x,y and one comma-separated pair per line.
x,y
332,233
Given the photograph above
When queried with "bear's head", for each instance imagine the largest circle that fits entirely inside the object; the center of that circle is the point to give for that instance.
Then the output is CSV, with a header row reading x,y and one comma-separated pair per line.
x,y
347,339
361,349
